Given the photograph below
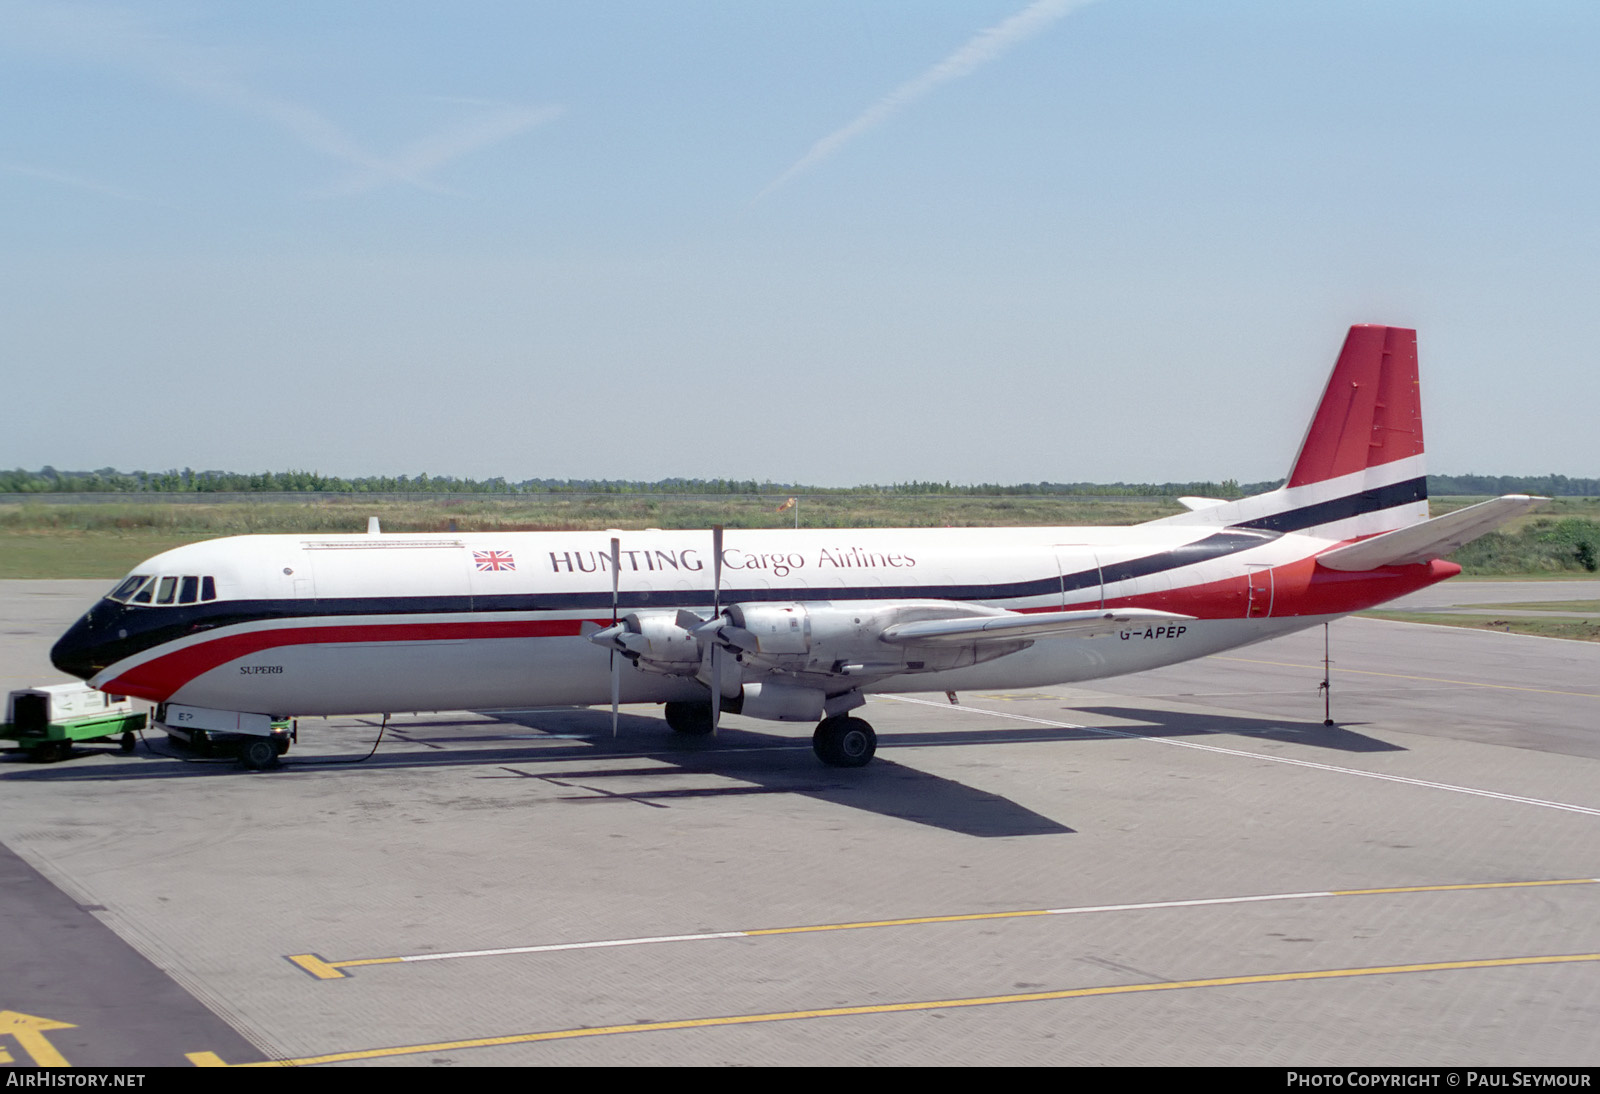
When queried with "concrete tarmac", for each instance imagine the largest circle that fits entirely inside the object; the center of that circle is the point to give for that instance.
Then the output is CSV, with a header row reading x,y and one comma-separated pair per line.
x,y
1182,867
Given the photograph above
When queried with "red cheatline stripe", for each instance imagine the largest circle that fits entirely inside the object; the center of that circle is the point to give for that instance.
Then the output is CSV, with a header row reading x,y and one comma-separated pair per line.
x,y
160,677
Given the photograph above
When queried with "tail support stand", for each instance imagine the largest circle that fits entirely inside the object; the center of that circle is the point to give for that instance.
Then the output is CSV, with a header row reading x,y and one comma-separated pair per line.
x,y
1326,687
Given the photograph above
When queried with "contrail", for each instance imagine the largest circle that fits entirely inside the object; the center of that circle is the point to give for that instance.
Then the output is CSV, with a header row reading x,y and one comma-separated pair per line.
x,y
66,179
124,40
984,47
413,163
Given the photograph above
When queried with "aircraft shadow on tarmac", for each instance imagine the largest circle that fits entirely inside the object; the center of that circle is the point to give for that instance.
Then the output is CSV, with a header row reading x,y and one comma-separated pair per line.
x,y
582,768
1172,723
574,751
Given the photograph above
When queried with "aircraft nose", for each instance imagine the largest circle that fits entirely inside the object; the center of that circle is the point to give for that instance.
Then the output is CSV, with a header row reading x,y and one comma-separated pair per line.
x,y
79,652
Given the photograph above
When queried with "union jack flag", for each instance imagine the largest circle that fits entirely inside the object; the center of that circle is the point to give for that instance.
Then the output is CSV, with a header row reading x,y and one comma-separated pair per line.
x,y
494,560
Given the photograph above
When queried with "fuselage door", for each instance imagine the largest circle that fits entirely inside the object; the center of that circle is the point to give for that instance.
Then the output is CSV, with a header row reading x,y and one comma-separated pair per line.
x,y
1082,580
1261,587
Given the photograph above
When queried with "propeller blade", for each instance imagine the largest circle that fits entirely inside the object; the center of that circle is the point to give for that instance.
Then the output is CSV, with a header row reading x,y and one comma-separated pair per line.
x,y
716,687
738,638
616,669
706,629
616,575
611,637
616,690
716,570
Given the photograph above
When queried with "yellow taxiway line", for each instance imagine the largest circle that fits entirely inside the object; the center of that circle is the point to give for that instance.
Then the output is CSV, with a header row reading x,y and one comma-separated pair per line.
x,y
211,1059
324,969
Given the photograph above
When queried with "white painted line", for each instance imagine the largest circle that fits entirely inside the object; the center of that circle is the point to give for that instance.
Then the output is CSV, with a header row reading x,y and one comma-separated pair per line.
x,y
1255,756
572,946
956,918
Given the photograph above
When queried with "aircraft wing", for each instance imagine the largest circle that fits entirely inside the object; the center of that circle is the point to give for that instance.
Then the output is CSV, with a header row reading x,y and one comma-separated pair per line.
x,y
1432,538
1018,626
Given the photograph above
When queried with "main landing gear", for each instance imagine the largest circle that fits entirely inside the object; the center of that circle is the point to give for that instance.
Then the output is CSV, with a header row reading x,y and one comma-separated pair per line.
x,y
840,741
689,719
843,741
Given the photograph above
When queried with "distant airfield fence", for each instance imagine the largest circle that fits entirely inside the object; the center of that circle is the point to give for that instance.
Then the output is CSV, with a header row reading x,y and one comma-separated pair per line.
x,y
248,496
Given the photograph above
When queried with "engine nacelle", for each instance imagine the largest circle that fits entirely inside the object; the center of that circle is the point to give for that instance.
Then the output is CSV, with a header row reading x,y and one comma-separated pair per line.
x,y
844,639
803,641
657,644
778,701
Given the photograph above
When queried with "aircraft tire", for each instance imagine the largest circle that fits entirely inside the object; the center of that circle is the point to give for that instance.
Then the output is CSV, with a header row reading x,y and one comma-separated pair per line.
x,y
689,719
843,741
258,754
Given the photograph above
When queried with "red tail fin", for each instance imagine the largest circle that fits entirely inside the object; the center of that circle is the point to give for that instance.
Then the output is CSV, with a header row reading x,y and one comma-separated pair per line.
x,y
1371,412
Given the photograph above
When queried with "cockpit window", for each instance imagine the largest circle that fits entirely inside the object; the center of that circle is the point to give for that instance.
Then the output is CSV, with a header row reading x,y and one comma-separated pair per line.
x,y
144,589
129,584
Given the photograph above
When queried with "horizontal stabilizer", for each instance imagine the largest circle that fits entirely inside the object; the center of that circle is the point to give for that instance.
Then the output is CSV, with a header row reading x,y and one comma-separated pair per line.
x,y
1194,505
1431,539
1017,626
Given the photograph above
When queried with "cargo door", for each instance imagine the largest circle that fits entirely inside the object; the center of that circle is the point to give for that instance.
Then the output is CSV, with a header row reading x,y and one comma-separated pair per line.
x,y
387,574
1260,578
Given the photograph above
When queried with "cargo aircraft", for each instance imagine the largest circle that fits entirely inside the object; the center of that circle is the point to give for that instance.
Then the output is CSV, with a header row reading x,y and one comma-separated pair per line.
x,y
791,625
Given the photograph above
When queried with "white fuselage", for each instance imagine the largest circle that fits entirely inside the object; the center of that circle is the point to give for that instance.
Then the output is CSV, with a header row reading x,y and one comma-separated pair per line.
x,y
305,625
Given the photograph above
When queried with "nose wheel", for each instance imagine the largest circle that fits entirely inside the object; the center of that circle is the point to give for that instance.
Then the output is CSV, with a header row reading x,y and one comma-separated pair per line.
x,y
258,754
843,741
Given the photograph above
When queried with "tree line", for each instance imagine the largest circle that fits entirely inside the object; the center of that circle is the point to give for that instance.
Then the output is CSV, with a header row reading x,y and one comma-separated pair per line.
x,y
108,480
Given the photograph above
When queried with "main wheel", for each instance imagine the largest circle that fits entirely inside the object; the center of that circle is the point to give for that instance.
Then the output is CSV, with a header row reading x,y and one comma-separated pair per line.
x,y
844,742
689,719
258,753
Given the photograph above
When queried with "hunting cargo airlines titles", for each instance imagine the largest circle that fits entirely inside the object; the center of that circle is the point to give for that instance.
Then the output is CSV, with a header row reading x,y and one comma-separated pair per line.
x,y
792,625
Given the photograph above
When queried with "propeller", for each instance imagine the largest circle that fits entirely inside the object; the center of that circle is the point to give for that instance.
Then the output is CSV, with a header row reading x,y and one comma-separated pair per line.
x,y
717,630
716,636
716,617
616,668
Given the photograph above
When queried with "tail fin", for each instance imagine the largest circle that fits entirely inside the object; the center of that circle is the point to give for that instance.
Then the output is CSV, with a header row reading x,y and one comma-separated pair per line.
x,y
1371,410
1359,470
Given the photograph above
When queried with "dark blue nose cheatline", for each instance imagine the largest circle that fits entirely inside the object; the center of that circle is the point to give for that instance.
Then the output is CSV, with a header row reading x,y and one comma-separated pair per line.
x,y
81,651
110,632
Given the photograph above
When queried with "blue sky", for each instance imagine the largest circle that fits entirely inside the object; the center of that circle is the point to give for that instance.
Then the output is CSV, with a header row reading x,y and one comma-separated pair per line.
x,y
821,242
